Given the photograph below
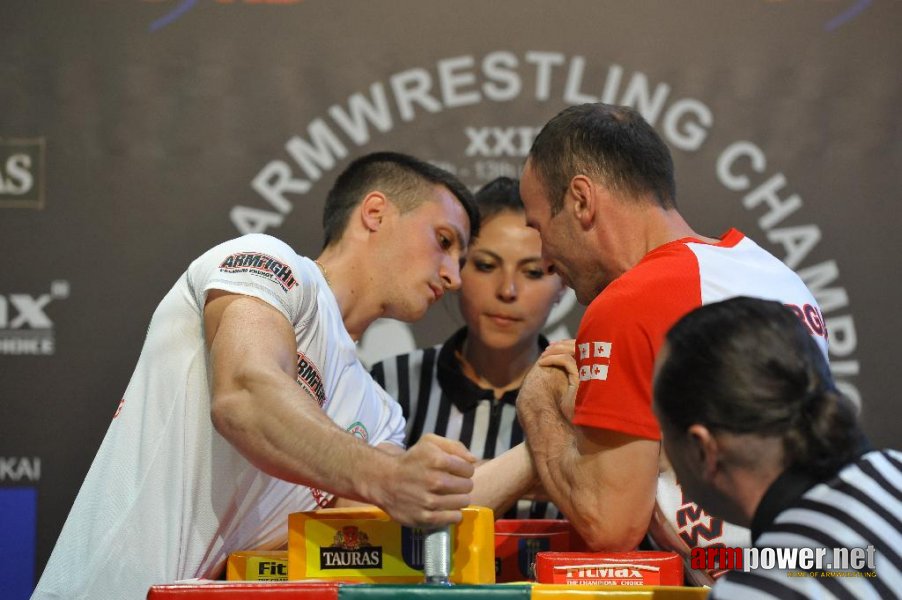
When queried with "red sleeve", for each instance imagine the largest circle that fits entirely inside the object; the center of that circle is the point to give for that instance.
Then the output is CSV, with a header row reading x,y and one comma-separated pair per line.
x,y
619,337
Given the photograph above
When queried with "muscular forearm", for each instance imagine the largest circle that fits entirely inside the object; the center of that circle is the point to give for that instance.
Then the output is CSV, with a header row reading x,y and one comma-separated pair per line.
x,y
551,437
260,409
293,440
603,481
422,487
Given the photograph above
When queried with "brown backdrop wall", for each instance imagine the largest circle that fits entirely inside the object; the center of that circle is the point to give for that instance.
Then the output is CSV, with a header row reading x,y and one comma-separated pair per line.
x,y
135,134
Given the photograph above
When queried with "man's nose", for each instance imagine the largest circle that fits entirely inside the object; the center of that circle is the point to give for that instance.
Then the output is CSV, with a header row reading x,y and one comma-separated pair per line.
x,y
450,272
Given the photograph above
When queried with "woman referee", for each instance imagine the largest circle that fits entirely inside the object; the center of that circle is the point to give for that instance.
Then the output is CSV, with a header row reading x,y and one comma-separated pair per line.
x,y
758,434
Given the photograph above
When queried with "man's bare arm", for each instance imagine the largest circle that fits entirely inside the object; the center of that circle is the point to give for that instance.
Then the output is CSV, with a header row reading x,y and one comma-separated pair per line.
x,y
604,481
258,406
498,483
339,502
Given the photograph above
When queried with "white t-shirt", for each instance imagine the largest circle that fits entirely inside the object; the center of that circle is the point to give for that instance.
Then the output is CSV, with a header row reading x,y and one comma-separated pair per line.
x,y
167,497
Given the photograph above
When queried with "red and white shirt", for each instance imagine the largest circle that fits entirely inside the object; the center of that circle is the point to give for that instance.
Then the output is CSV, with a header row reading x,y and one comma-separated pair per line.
x,y
624,327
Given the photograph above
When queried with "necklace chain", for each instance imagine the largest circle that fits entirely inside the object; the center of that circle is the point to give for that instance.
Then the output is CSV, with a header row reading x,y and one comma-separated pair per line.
x,y
323,271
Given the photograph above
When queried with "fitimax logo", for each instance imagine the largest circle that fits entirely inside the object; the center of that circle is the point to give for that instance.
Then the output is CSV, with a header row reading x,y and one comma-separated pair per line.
x,y
177,9
18,522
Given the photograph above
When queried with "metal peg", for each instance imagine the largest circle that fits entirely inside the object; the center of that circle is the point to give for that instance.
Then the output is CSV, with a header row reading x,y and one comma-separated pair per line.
x,y
437,556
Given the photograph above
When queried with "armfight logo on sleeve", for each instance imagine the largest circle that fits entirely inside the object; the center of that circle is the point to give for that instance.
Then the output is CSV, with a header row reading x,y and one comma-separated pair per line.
x,y
260,264
310,379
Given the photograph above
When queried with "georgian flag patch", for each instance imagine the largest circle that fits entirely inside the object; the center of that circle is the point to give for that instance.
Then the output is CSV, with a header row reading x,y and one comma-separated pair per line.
x,y
594,360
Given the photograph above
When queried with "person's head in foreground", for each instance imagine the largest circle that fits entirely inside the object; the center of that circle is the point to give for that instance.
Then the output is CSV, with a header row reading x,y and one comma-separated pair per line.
x,y
743,393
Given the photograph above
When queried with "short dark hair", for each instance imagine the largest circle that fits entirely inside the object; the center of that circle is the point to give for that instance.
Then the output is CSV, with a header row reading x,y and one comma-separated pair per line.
x,y
749,366
400,177
613,144
499,195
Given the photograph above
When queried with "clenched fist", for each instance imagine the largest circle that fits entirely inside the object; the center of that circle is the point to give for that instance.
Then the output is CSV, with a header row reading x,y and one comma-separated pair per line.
x,y
429,484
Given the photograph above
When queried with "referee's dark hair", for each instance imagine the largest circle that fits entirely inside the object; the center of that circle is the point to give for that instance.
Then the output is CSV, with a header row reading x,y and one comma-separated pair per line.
x,y
749,366
612,144
499,195
402,178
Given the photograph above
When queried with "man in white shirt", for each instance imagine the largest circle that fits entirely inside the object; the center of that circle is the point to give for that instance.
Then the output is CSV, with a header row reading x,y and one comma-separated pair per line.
x,y
248,401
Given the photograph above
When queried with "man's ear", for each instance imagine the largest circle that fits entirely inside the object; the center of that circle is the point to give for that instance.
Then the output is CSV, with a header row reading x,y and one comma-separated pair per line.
x,y
373,209
704,450
581,195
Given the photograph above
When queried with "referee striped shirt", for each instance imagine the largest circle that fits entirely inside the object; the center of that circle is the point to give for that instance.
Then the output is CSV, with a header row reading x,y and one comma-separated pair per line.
x,y
436,397
860,506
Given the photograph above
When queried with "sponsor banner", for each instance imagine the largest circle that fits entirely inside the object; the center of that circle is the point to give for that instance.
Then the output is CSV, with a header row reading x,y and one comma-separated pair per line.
x,y
22,173
25,327
615,573
364,545
267,569
257,565
18,522
351,548
637,567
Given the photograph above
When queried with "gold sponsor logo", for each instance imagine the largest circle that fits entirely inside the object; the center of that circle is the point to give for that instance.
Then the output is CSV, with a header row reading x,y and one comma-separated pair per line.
x,y
22,173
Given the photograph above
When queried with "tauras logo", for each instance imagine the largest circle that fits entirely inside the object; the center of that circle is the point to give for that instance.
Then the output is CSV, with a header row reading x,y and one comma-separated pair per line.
x,y
350,549
25,327
20,468
22,173
339,558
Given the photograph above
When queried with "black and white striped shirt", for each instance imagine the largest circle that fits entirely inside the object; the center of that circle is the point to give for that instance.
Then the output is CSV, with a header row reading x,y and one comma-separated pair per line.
x,y
860,506
436,397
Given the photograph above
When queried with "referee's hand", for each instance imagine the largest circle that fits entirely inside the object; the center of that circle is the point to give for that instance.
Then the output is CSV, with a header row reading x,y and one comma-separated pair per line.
x,y
429,483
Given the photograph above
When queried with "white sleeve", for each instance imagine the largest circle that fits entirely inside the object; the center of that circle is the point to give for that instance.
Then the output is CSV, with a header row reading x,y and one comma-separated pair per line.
x,y
392,423
254,265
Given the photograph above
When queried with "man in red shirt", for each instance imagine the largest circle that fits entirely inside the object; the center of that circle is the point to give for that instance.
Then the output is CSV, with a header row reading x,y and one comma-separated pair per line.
x,y
598,185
